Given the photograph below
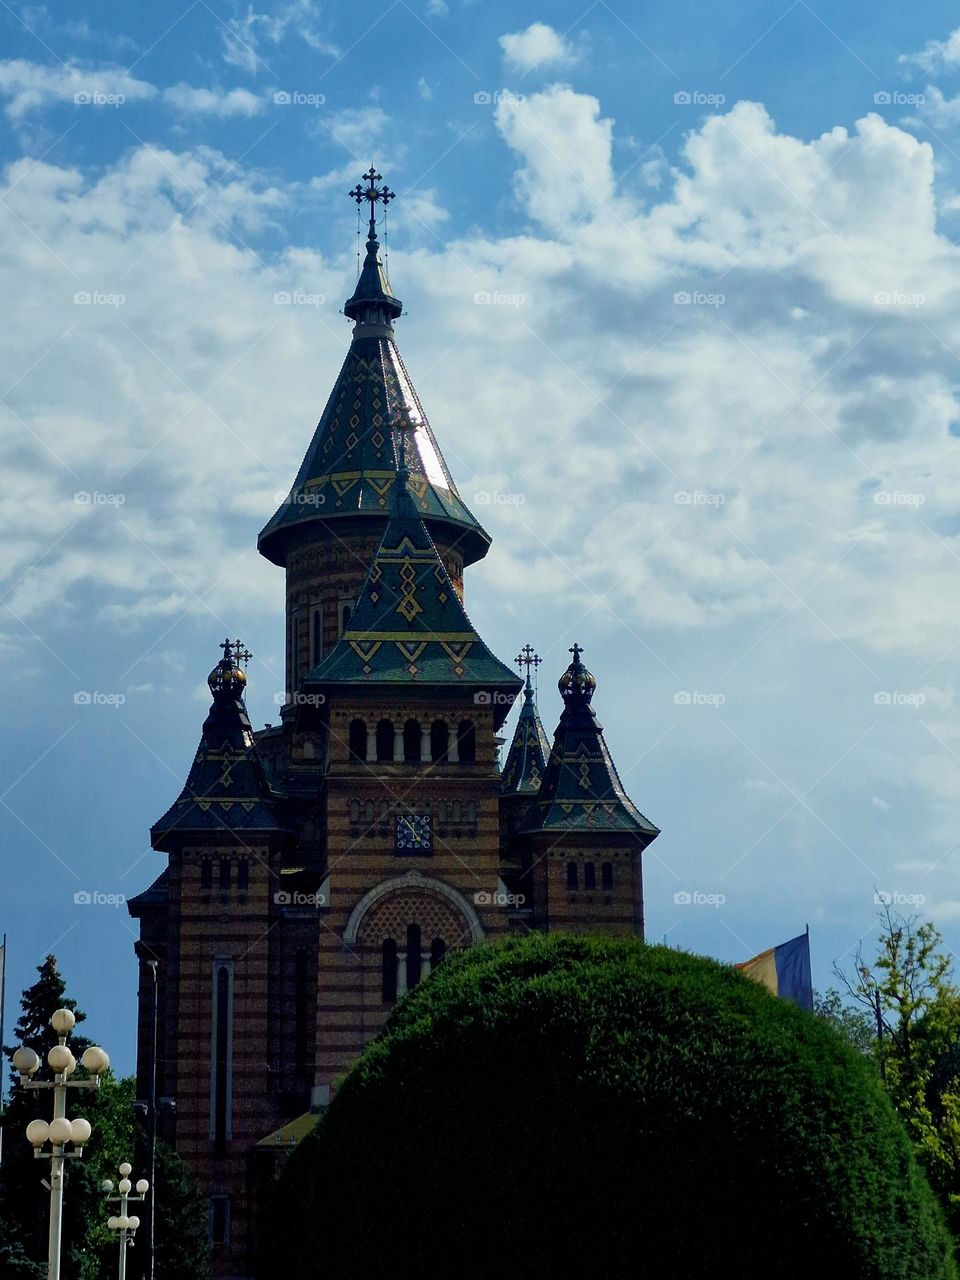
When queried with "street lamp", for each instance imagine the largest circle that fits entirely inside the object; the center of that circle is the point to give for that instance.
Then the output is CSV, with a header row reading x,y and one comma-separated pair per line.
x,y
60,1132
124,1223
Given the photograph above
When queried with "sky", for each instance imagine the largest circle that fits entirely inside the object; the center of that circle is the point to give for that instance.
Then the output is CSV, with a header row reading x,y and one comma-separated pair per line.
x,y
682,295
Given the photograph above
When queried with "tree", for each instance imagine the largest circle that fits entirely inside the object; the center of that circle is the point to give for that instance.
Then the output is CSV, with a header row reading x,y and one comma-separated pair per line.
x,y
909,993
585,1106
89,1248
855,1025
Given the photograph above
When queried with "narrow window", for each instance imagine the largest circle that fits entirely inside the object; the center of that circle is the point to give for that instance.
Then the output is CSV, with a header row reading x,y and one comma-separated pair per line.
x,y
368,813
467,742
354,813
385,740
442,813
358,740
457,812
471,813
389,971
225,867
414,963
317,636
243,875
222,1052
439,741
437,951
219,1220
572,880
589,876
300,1012
206,875
411,742
606,877
344,618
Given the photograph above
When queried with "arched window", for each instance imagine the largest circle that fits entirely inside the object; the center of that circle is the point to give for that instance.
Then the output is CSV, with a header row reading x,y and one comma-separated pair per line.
x,y
225,875
206,875
572,880
442,813
414,963
358,740
389,961
411,742
354,813
368,813
243,875
438,949
439,741
471,813
344,618
589,876
457,808
467,742
606,877
317,635
385,740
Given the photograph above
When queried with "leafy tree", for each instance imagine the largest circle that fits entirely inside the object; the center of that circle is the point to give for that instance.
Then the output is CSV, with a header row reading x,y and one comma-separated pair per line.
x,y
854,1024
581,1106
909,991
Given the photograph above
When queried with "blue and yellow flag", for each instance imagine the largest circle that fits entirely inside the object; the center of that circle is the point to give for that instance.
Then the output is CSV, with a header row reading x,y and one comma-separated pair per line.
x,y
784,970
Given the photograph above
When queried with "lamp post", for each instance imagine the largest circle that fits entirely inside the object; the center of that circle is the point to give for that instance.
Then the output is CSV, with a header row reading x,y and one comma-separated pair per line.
x,y
124,1223
60,1132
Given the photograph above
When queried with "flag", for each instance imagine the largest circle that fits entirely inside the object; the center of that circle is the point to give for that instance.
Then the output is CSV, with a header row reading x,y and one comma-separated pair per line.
x,y
784,970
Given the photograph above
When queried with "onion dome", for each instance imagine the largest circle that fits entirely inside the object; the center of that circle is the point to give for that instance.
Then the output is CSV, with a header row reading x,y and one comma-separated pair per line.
x,y
577,684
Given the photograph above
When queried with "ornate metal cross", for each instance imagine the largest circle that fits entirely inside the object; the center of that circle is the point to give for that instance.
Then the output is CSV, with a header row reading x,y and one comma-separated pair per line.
x,y
576,651
527,658
373,191
241,653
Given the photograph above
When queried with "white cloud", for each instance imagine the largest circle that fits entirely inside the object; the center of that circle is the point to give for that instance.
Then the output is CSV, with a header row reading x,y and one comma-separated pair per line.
x,y
30,85
935,55
537,46
361,130
244,37
193,101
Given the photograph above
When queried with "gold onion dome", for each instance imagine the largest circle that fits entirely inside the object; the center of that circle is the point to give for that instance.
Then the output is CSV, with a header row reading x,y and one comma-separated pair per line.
x,y
228,679
577,684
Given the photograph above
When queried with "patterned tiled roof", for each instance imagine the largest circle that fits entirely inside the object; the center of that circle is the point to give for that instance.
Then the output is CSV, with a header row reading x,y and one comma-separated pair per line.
x,y
581,789
226,789
527,758
351,465
409,623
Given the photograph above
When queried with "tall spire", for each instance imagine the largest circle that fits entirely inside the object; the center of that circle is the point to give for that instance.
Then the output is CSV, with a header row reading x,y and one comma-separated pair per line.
x,y
373,301
527,758
581,789
350,467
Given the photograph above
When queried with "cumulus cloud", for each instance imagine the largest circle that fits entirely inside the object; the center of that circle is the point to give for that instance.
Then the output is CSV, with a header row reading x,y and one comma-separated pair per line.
x,y
193,101
537,46
935,55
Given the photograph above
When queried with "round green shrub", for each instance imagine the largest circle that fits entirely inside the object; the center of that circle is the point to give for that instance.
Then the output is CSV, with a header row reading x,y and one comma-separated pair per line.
x,y
559,1106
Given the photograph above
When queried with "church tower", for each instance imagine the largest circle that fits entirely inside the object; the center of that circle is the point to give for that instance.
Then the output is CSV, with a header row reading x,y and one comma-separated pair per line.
x,y
319,868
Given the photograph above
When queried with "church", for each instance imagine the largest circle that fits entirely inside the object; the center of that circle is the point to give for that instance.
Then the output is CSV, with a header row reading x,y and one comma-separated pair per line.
x,y
319,868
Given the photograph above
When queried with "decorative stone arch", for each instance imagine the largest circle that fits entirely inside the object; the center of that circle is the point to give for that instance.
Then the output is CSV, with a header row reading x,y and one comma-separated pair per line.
x,y
413,880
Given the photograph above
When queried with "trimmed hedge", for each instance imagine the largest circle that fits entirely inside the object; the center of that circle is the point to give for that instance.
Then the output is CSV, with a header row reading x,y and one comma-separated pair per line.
x,y
594,1107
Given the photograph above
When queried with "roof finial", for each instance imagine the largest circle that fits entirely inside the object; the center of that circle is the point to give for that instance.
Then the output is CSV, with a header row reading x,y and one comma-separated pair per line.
x,y
227,679
527,658
577,684
375,194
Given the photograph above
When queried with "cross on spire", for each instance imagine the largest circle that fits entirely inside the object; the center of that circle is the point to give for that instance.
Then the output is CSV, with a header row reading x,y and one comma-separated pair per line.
x,y
235,651
527,658
576,651
373,192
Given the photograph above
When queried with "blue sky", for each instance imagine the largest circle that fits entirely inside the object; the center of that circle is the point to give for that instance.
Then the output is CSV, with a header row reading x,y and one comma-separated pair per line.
x,y
709,416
